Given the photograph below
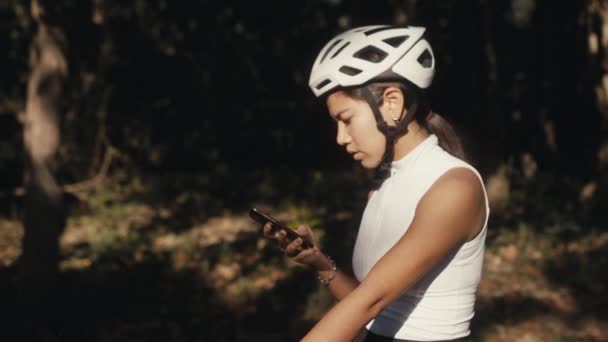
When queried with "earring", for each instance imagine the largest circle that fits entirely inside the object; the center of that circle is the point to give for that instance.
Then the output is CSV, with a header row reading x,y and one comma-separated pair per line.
x,y
396,119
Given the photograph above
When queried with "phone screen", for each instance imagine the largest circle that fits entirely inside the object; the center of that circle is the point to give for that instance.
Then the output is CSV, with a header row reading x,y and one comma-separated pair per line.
x,y
263,218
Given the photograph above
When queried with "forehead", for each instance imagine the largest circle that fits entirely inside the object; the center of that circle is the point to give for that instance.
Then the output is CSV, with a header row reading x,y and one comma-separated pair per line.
x,y
339,101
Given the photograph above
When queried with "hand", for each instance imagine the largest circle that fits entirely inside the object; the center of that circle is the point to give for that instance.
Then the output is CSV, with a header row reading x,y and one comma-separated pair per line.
x,y
295,250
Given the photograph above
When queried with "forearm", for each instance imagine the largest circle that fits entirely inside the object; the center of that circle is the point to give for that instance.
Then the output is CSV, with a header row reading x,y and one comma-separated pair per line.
x,y
341,285
345,320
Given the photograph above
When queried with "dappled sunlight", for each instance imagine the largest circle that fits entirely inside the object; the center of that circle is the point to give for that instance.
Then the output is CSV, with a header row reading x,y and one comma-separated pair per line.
x,y
225,252
517,301
521,296
118,236
222,229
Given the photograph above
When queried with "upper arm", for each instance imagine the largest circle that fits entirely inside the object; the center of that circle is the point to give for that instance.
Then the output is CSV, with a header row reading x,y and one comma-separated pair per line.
x,y
451,212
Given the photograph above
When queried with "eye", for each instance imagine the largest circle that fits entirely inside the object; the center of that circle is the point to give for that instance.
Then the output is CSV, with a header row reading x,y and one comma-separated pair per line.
x,y
346,118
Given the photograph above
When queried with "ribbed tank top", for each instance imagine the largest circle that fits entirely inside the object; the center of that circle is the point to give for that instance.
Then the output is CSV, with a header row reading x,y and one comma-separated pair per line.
x,y
440,305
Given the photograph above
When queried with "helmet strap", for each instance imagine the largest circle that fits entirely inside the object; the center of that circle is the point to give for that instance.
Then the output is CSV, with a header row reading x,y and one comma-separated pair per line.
x,y
391,133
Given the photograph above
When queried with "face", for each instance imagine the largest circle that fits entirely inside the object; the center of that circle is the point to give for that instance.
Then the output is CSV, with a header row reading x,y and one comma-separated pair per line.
x,y
357,130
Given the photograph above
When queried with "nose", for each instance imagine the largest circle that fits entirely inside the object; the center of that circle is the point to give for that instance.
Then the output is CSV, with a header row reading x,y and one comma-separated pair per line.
x,y
342,137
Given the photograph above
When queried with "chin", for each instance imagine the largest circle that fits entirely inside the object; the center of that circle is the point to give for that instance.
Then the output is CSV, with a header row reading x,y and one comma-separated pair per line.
x,y
369,164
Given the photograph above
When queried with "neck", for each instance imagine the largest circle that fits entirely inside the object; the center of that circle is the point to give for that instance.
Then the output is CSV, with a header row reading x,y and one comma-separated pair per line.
x,y
405,144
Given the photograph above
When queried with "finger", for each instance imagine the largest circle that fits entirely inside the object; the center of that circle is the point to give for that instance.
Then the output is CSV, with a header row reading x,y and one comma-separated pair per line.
x,y
281,236
304,230
268,229
306,233
294,248
303,255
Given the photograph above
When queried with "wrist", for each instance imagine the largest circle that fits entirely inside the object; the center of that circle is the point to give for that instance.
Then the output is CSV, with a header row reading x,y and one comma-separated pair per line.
x,y
327,274
323,264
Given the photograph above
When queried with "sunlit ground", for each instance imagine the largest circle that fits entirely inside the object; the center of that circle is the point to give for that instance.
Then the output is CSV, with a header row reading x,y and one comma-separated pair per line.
x,y
144,263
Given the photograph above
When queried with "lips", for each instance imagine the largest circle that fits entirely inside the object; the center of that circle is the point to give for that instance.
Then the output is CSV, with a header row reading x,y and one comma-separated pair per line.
x,y
356,155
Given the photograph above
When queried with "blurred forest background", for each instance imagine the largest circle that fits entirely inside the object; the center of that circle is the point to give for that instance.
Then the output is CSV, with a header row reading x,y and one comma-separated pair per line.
x,y
134,136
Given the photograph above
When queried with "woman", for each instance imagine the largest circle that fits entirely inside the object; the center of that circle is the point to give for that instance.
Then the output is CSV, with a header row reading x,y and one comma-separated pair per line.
x,y
419,250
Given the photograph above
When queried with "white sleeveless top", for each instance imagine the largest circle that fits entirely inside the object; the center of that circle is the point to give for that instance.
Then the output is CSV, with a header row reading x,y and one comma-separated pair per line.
x,y
441,304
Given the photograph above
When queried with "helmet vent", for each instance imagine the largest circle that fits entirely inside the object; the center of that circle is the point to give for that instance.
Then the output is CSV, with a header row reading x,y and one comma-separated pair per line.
x,y
371,54
426,59
340,50
322,84
377,29
329,49
396,41
350,71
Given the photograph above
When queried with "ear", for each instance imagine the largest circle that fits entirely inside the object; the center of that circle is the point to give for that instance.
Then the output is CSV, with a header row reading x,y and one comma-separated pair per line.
x,y
393,103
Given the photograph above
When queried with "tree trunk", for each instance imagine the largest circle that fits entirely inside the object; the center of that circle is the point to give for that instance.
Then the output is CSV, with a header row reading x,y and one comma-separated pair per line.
x,y
596,191
597,31
44,216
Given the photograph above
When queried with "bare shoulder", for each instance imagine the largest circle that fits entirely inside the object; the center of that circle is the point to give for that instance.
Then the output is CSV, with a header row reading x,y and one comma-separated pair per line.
x,y
459,182
458,196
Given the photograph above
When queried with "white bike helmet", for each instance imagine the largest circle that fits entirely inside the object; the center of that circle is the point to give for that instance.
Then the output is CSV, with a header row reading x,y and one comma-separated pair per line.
x,y
373,53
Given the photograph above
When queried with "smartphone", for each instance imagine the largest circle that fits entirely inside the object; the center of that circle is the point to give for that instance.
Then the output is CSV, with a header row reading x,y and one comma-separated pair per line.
x,y
263,218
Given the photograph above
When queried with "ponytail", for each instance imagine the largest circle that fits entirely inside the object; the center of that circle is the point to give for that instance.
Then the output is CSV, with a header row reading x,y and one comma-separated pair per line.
x,y
446,135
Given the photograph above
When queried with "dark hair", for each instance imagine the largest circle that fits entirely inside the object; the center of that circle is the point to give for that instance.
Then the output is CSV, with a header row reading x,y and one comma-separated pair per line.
x,y
432,122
